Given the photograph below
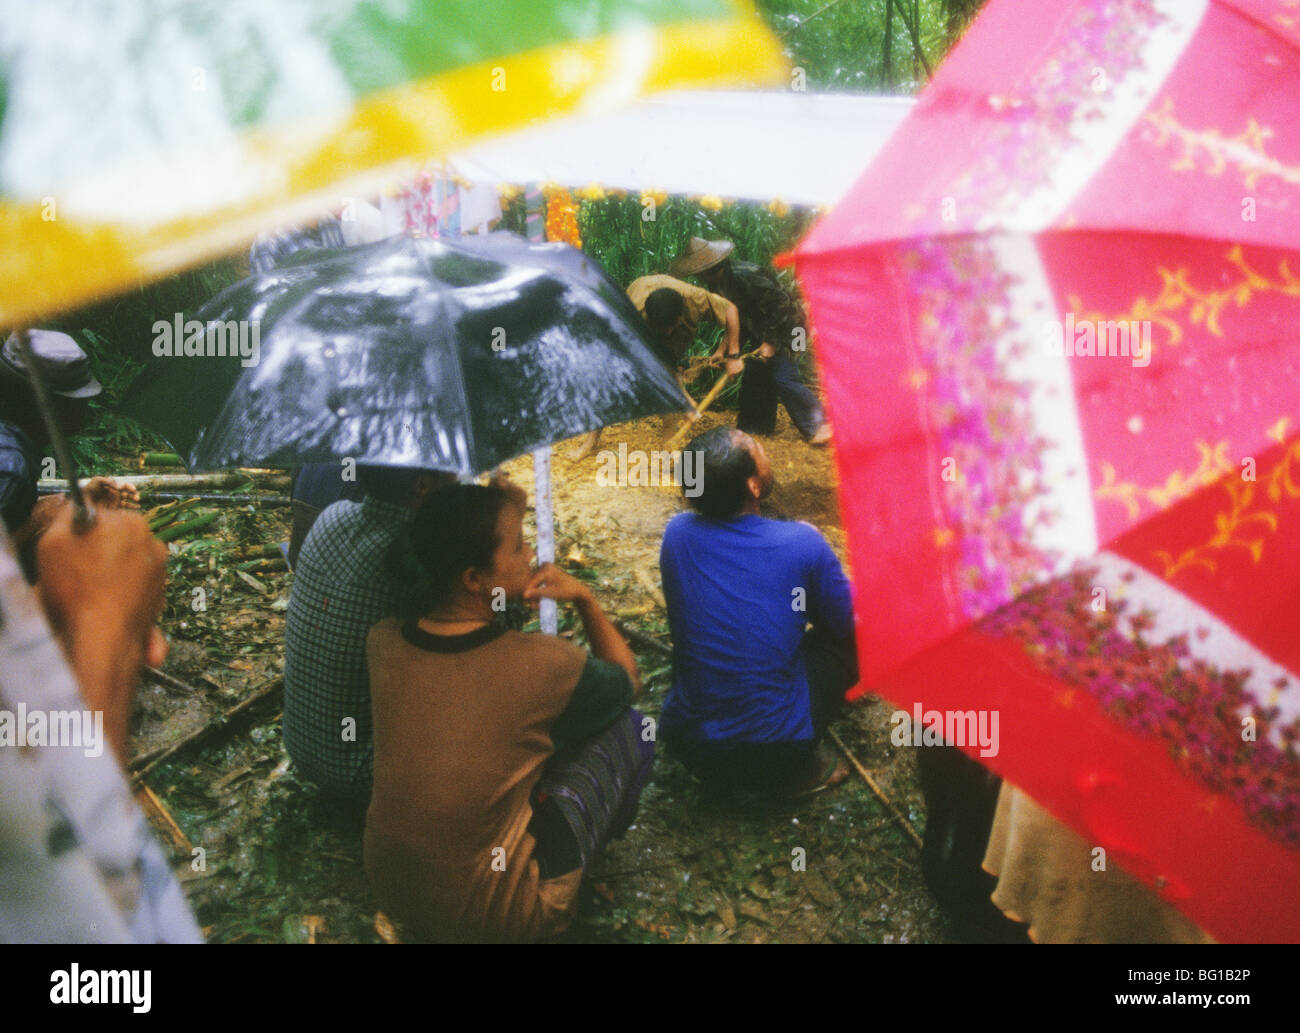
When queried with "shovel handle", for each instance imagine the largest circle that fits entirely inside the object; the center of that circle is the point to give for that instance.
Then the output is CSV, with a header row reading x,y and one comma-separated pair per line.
x,y
679,436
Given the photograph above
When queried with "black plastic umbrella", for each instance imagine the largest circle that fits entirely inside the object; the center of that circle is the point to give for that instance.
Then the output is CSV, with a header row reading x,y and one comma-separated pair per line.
x,y
408,352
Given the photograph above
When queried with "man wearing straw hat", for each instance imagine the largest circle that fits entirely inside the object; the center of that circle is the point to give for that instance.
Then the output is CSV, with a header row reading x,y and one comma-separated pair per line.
x,y
770,321
66,372
673,311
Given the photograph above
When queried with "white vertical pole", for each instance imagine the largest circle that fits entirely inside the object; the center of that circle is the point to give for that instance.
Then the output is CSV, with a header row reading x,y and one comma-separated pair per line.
x,y
547,613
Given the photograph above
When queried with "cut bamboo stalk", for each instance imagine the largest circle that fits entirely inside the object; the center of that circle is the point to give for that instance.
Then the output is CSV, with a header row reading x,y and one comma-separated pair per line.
x,y
166,515
260,551
167,507
162,821
256,584
163,481
170,534
268,501
159,459
156,513
263,566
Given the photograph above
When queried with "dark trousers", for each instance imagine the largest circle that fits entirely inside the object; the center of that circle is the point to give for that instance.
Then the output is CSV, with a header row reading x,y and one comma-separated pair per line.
x,y
961,796
776,380
832,669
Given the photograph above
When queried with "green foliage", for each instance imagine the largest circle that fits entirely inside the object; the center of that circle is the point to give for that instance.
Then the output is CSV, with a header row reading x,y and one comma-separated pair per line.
x,y
840,44
857,45
108,435
619,232
125,323
628,239
117,335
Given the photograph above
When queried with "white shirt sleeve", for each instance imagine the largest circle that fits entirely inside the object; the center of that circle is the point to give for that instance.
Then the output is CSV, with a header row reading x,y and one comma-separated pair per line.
x,y
78,862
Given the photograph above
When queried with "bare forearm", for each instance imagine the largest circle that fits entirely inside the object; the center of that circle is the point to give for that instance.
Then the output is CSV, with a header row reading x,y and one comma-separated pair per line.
x,y
605,640
733,331
107,660
102,590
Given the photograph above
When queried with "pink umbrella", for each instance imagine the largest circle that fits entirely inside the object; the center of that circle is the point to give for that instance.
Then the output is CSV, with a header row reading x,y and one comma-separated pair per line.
x,y
1060,312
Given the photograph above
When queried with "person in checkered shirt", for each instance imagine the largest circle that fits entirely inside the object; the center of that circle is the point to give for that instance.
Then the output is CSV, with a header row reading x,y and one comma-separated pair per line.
x,y
340,590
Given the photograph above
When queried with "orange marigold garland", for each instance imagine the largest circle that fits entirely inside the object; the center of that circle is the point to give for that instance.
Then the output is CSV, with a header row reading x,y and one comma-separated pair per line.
x,y
562,217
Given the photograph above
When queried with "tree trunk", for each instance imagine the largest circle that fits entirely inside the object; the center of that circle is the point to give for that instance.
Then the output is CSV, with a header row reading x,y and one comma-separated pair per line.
x,y
958,15
889,44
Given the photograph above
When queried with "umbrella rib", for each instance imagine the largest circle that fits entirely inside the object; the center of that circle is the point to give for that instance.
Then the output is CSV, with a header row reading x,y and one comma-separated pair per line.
x,y
471,449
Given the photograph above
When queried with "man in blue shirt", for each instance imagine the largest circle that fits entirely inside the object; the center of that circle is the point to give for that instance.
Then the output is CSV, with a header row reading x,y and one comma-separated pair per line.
x,y
753,686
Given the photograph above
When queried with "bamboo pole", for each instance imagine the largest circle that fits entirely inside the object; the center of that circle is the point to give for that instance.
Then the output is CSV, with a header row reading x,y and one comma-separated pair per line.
x,y
875,788
269,501
142,765
170,498
548,614
163,481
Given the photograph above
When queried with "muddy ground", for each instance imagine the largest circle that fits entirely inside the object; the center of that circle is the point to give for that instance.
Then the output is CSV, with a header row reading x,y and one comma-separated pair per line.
x,y
263,859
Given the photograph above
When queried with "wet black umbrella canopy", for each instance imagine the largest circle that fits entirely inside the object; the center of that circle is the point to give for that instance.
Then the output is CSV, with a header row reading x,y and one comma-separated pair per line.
x,y
448,354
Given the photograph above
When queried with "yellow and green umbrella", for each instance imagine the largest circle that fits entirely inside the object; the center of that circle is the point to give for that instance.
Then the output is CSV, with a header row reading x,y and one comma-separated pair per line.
x,y
137,139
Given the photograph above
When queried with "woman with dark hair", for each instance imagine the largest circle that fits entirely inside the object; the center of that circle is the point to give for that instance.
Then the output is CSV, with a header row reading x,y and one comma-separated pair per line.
x,y
503,761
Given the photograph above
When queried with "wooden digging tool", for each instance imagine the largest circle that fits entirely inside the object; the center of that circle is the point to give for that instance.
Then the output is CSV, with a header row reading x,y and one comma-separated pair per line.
x,y
679,436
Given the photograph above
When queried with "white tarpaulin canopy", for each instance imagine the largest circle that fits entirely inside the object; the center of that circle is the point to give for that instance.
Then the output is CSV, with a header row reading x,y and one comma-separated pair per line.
x,y
804,148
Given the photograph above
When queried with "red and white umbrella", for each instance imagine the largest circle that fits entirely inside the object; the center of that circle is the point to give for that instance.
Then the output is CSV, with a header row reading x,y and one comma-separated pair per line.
x,y
1057,319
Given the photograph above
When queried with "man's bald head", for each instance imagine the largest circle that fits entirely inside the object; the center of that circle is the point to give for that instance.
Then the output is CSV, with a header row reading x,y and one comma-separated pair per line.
x,y
735,474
